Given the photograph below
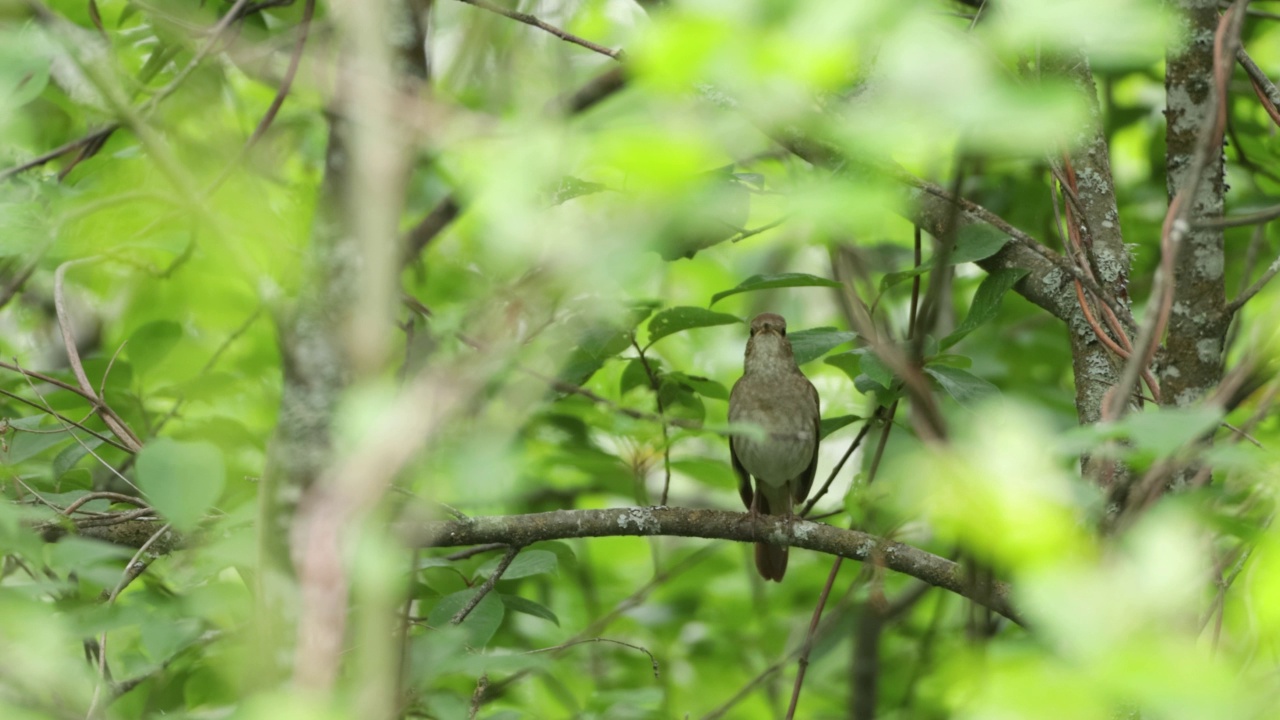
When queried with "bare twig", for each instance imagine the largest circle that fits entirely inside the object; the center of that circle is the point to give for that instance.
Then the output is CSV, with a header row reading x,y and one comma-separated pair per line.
x,y
530,20
656,386
485,588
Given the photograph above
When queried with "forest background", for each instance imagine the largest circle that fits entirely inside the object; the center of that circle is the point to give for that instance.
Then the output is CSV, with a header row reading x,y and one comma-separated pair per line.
x,y
371,360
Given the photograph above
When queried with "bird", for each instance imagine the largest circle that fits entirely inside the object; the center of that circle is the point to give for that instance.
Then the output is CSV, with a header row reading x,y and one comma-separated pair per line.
x,y
774,395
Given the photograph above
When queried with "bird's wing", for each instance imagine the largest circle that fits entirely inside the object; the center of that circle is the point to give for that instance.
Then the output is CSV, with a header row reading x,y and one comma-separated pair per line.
x,y
744,477
801,485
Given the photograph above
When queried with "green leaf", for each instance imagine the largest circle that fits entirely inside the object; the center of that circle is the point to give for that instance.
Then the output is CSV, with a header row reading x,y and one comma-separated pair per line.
x,y
976,241
1164,431
72,454
571,187
594,347
703,386
850,362
149,344
962,385
529,607
634,375
527,563
832,424
769,282
876,369
951,360
677,319
809,345
25,445
986,301
679,399
181,479
480,624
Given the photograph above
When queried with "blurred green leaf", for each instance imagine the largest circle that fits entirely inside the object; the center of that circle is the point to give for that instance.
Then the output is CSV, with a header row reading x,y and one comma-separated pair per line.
x,y
149,344
770,282
182,480
1165,431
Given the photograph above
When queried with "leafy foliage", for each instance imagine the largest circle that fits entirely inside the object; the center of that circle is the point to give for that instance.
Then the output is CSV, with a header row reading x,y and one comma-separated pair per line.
x,y
215,231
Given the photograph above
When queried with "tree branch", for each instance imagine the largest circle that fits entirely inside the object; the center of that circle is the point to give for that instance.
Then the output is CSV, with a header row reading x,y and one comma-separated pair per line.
x,y
523,530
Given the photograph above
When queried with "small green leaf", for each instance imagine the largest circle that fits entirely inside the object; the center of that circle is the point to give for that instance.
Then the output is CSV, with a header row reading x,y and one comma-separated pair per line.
x,y
703,386
527,563
634,375
679,400
149,344
181,479
951,360
809,345
962,385
986,301
571,187
832,424
677,319
480,624
529,607
72,454
976,241
768,282
594,347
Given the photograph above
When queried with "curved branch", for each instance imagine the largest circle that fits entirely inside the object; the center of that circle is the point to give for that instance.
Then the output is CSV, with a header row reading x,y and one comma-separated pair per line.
x,y
522,530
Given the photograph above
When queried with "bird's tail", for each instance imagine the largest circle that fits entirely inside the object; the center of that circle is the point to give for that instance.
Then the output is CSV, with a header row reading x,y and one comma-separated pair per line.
x,y
771,560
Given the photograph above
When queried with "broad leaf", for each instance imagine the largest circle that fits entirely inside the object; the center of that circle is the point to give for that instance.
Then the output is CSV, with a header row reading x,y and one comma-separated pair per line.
x,y
481,623
809,345
976,241
962,385
677,319
1165,431
149,344
529,607
182,480
832,424
527,563
769,282
703,386
986,302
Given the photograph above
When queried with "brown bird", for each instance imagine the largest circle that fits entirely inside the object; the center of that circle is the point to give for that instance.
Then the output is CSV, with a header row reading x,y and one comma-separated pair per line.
x,y
775,396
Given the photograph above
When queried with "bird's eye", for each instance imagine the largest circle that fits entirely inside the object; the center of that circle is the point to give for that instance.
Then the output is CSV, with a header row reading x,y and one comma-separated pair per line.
x,y
784,332
753,332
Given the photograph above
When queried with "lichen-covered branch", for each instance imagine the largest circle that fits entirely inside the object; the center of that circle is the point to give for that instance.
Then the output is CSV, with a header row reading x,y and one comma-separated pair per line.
x,y
523,530
1191,363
